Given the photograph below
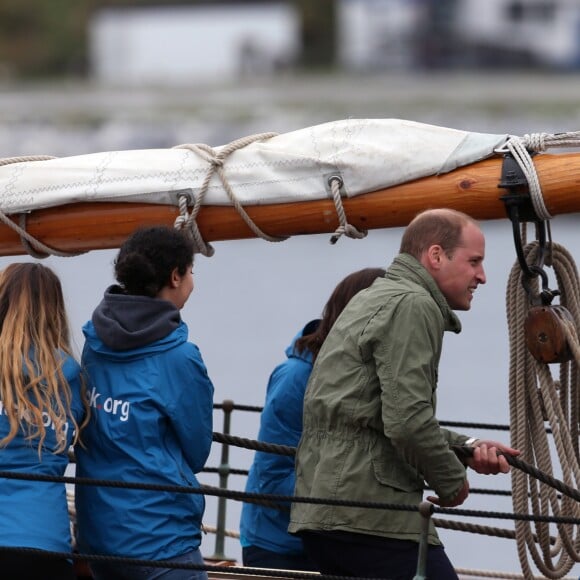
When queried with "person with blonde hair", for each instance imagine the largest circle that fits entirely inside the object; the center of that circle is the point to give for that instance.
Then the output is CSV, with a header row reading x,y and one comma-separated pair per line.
x,y
42,409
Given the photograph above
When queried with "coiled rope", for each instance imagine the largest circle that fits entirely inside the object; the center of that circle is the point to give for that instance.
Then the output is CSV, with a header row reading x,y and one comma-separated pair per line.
x,y
536,397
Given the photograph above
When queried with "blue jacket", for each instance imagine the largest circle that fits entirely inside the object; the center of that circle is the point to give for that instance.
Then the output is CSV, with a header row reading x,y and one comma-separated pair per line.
x,y
34,514
151,422
270,473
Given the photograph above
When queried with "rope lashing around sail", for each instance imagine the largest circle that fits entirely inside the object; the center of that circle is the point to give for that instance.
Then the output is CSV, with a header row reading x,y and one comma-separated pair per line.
x,y
335,182
520,148
216,160
187,218
34,247
536,397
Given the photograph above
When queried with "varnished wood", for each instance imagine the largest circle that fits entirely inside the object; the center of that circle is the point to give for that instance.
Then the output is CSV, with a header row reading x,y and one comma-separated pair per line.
x,y
472,189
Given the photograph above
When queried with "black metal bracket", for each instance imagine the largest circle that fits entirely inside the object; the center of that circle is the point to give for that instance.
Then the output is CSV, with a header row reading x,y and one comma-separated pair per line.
x,y
520,209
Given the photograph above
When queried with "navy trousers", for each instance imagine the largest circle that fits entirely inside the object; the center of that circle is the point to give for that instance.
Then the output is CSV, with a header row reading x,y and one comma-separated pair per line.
x,y
255,557
34,567
348,554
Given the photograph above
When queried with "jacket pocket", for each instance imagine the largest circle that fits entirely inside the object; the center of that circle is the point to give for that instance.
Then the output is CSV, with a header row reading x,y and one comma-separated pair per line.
x,y
390,470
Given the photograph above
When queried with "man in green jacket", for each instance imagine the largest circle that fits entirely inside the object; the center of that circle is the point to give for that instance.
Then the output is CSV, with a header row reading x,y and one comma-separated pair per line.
x,y
370,432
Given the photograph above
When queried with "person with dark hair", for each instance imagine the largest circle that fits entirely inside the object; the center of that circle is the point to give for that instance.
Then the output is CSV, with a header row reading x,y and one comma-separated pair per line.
x,y
152,406
42,410
265,540
370,428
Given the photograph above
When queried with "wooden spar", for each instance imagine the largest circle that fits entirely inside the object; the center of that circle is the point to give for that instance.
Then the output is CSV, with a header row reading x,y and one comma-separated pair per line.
x,y
472,189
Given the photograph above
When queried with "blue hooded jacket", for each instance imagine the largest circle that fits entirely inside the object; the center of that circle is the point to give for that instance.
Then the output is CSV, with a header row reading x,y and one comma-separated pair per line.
x,y
34,514
270,473
151,422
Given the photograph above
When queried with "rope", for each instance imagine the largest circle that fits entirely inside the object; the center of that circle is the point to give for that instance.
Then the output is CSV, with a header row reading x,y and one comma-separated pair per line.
x,y
216,160
536,398
503,575
335,182
33,246
188,219
522,466
24,159
213,530
520,148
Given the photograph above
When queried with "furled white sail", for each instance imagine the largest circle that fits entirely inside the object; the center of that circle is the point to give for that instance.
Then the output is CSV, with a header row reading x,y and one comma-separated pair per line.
x,y
368,154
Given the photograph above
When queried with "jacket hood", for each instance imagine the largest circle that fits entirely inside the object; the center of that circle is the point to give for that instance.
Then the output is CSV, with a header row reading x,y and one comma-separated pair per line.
x,y
126,322
305,355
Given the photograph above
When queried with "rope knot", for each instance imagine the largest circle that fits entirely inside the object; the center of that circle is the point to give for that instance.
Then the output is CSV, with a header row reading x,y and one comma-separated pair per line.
x,y
336,182
536,141
349,231
216,162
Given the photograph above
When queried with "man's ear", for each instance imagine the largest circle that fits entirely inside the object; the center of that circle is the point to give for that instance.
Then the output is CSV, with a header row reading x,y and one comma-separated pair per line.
x,y
433,257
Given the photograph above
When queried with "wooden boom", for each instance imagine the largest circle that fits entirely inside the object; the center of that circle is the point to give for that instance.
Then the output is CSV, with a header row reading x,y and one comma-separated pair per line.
x,y
472,189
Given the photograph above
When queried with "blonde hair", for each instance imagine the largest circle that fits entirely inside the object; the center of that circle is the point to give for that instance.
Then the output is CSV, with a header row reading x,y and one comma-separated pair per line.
x,y
34,344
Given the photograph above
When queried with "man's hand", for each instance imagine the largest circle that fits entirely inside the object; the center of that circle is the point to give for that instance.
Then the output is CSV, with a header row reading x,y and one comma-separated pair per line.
x,y
457,500
485,459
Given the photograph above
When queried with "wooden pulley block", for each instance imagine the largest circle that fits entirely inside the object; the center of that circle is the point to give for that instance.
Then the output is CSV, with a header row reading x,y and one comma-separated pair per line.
x,y
545,333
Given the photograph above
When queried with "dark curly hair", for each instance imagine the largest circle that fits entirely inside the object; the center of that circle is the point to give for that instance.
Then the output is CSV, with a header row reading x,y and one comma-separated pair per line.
x,y
146,259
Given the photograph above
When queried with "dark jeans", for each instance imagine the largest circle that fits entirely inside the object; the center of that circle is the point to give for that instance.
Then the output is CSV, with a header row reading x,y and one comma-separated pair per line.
x,y
115,571
35,567
255,557
347,554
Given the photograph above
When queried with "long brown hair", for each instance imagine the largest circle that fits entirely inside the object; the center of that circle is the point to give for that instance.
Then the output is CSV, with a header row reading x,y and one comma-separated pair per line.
x,y
34,341
339,298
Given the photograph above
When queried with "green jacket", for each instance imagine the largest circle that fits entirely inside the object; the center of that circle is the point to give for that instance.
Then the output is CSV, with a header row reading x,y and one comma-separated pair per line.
x,y
370,431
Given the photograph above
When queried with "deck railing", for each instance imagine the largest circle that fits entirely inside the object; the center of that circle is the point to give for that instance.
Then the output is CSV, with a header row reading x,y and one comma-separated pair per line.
x,y
224,470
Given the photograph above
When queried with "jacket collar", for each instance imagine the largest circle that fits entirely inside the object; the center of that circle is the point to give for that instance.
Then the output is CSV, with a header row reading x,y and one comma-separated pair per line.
x,y
409,268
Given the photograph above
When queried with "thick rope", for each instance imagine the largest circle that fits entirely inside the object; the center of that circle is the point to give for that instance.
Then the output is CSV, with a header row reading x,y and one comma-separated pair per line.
x,y
24,159
536,398
521,147
216,159
503,575
33,246
187,219
344,228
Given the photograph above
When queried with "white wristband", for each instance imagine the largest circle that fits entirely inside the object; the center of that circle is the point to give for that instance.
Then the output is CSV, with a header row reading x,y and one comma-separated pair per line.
x,y
471,441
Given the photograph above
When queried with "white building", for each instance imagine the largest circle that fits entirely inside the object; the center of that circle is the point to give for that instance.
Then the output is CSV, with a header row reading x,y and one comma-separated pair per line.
x,y
376,34
548,30
221,42
184,45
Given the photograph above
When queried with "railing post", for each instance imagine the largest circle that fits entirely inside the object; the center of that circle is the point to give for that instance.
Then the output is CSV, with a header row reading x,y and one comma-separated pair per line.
x,y
425,509
224,472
